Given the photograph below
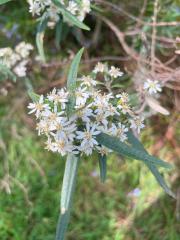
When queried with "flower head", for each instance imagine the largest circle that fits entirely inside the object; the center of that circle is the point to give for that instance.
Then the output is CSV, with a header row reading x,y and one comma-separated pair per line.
x,y
115,72
152,87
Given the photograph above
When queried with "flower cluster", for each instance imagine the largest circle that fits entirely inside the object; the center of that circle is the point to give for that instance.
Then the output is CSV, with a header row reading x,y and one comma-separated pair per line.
x,y
77,8
16,59
94,112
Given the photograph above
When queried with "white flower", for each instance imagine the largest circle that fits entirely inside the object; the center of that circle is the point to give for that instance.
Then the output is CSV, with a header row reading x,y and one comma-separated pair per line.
x,y
103,150
152,87
101,118
88,135
119,131
122,104
100,67
38,107
86,6
50,146
60,96
9,58
87,149
101,102
137,123
43,127
123,97
54,118
87,81
81,96
115,72
85,114
20,69
72,7
23,49
34,7
63,147
111,110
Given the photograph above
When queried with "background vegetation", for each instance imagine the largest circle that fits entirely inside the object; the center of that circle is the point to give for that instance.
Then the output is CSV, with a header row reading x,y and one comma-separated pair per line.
x,y
130,205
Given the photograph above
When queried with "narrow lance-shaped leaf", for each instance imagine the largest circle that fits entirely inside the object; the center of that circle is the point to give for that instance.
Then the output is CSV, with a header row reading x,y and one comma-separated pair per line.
x,y
4,1
129,151
40,36
103,167
68,186
69,16
137,144
58,36
71,81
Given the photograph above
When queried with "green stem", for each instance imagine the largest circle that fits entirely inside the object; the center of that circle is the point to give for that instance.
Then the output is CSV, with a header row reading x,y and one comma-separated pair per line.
x,y
68,187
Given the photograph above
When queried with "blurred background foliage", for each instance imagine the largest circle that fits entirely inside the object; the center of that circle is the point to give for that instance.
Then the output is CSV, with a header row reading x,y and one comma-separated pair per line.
x,y
130,205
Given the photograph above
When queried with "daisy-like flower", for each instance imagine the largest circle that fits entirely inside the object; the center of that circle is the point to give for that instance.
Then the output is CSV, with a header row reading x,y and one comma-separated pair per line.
x,y
43,127
85,114
152,86
60,96
123,97
124,107
123,100
63,147
101,102
103,150
100,68
50,146
87,136
111,110
87,81
115,72
54,118
119,131
34,7
38,107
137,123
81,96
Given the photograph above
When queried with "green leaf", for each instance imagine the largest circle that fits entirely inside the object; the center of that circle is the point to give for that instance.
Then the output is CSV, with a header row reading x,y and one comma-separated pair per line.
x,y
71,81
103,167
40,36
4,1
69,16
34,97
62,226
129,151
58,36
68,187
137,144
